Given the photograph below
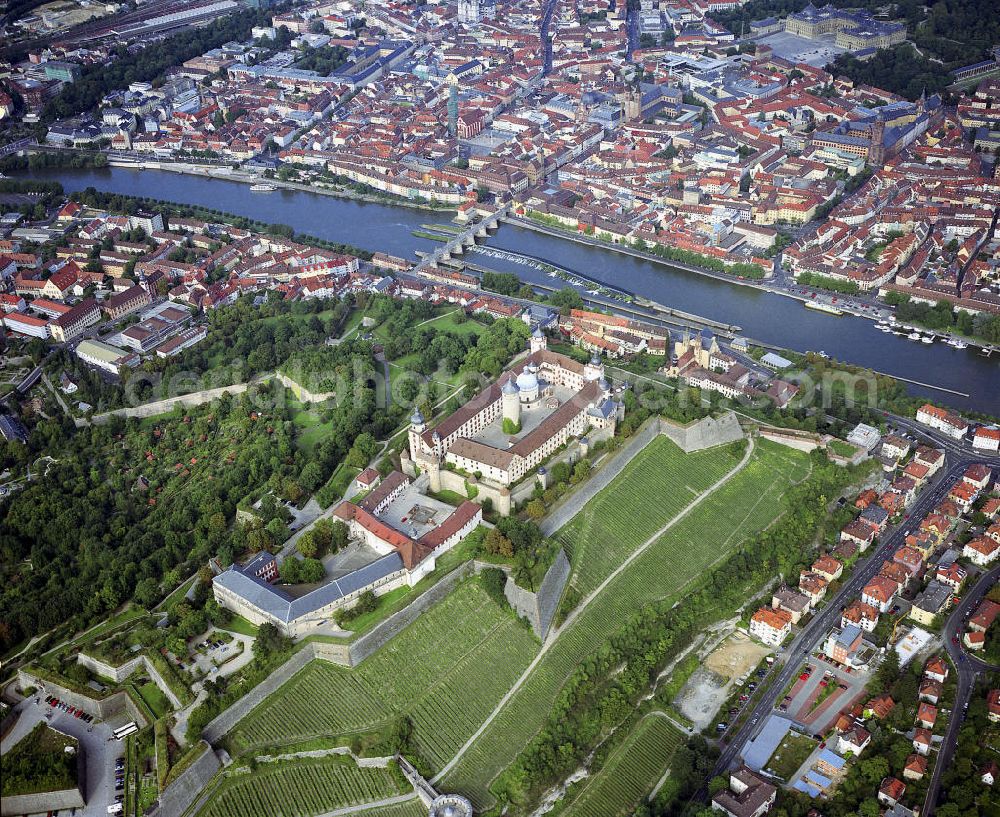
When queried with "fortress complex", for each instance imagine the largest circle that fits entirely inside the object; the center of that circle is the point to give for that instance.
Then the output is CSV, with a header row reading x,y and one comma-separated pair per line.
x,y
516,423
396,533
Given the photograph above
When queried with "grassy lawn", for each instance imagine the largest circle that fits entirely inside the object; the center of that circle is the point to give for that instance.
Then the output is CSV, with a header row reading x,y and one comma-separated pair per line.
x,y
154,698
790,754
305,787
746,504
447,323
451,497
240,625
447,671
176,595
630,773
130,613
340,482
310,429
842,448
387,604
352,323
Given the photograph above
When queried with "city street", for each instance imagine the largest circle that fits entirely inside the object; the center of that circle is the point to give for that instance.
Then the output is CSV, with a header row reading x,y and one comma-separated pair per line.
x,y
968,668
958,456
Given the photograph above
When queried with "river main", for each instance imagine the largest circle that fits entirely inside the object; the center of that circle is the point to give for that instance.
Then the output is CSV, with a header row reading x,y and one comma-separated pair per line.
x,y
765,316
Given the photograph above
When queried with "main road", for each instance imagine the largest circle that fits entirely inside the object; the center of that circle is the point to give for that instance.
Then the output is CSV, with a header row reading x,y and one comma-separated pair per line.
x,y
958,456
968,667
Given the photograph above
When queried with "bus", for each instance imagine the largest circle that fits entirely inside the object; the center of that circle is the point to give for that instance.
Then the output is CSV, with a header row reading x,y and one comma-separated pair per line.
x,y
125,731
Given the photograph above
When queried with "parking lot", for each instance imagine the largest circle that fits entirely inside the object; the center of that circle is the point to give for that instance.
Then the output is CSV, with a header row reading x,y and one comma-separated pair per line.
x,y
800,49
801,702
211,654
99,747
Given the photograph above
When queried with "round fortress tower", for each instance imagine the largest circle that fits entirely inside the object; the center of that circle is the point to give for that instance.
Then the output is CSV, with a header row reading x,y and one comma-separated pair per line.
x,y
511,402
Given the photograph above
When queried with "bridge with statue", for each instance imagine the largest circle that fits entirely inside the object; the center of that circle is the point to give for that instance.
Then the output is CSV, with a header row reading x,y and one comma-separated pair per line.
x,y
467,238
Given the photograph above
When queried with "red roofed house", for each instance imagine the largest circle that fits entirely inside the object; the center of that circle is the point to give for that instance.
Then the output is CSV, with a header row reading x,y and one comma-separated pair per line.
x,y
915,768
981,551
367,479
926,715
936,669
993,705
859,533
891,791
879,593
771,626
987,439
922,741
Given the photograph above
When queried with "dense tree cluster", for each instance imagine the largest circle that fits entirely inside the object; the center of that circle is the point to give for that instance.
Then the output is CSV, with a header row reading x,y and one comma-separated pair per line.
x,y
324,60
149,63
899,69
942,316
38,763
81,539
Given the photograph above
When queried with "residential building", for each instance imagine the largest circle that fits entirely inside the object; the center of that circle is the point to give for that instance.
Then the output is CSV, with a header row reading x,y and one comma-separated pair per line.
x,y
747,796
771,626
943,420
932,602
70,326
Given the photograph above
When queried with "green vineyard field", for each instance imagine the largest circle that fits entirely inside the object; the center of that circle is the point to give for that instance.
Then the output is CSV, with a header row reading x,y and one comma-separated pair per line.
x,y
747,503
447,670
630,773
654,487
302,787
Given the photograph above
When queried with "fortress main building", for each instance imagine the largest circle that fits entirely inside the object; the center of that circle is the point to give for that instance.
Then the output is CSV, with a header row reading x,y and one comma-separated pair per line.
x,y
525,416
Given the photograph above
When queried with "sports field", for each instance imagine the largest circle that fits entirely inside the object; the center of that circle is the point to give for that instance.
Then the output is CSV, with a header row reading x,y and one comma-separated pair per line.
x,y
302,787
651,490
746,504
630,773
447,671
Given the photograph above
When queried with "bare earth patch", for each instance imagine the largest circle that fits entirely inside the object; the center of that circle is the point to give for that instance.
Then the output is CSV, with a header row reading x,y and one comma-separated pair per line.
x,y
708,688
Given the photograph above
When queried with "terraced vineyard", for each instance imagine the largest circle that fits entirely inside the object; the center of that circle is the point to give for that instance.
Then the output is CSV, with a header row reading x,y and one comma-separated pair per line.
x,y
654,487
447,670
303,787
411,808
745,504
630,773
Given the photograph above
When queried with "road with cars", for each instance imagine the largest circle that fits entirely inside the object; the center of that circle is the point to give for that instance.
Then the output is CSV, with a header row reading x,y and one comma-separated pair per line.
x,y
959,455
968,668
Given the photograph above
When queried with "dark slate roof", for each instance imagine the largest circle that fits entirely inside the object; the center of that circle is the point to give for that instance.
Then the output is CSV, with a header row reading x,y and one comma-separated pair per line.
x,y
276,602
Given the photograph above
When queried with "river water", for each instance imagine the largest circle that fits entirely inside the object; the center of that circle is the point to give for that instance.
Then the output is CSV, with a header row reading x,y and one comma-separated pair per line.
x,y
762,315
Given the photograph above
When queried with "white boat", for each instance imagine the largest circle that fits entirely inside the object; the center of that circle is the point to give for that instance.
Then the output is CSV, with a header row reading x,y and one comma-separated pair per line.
x,y
884,329
914,336
927,339
957,343
262,188
823,355
821,306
